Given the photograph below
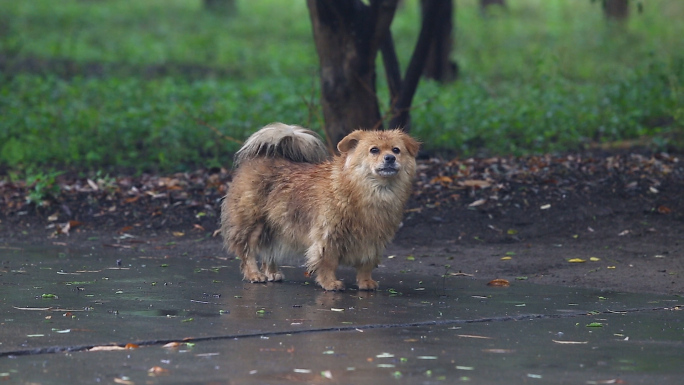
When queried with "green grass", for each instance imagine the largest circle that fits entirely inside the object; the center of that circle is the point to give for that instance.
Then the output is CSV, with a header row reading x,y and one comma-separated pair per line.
x,y
142,85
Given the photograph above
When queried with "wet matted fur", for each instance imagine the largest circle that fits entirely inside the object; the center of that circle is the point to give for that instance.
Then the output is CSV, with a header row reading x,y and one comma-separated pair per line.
x,y
289,199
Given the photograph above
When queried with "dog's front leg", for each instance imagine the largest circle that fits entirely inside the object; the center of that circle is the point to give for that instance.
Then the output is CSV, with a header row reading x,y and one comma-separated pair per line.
x,y
324,264
363,277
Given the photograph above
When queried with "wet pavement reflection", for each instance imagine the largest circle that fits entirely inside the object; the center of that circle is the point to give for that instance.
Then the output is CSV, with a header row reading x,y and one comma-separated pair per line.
x,y
191,320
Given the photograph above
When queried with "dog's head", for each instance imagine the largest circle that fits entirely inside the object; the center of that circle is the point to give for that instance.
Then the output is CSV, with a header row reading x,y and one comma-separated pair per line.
x,y
385,155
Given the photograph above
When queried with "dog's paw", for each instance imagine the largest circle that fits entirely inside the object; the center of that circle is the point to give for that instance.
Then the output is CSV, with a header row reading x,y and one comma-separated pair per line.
x,y
256,277
332,285
368,284
275,277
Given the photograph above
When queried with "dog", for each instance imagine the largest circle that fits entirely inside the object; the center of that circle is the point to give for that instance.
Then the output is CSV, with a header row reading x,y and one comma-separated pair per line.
x,y
289,198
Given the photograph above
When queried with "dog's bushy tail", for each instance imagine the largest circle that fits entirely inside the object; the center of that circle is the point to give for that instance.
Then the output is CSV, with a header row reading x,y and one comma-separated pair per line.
x,y
279,140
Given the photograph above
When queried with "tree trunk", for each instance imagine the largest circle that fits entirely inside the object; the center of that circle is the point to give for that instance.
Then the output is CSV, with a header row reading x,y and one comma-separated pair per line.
x,y
348,34
487,3
224,7
439,65
616,9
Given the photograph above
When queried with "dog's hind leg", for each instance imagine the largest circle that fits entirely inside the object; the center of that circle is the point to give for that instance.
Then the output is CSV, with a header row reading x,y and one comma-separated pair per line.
x,y
248,255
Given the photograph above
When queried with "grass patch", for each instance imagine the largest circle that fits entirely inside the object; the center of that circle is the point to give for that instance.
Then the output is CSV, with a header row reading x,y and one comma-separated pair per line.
x,y
106,84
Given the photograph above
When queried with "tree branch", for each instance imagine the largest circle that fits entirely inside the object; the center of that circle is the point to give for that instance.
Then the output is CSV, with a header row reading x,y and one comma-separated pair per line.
x,y
382,13
392,68
414,71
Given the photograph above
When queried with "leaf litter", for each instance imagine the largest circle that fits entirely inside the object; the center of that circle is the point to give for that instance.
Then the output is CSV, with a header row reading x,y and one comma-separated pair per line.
x,y
191,197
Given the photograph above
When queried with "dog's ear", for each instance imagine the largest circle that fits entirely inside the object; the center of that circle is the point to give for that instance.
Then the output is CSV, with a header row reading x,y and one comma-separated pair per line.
x,y
349,142
411,144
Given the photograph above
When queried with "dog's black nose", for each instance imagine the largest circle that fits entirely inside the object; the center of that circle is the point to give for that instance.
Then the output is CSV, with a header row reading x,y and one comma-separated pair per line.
x,y
389,158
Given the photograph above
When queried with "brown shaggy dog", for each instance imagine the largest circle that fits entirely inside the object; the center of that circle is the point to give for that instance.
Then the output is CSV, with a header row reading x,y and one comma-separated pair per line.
x,y
288,199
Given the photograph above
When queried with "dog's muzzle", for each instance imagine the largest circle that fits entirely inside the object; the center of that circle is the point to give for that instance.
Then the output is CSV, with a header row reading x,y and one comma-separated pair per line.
x,y
389,166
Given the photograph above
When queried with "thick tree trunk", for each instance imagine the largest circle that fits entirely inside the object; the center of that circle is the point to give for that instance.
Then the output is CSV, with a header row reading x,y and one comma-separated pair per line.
x,y
348,34
616,9
439,65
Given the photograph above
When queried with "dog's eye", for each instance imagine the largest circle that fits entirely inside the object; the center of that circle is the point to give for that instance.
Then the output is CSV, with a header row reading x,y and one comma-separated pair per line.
x,y
374,150
396,150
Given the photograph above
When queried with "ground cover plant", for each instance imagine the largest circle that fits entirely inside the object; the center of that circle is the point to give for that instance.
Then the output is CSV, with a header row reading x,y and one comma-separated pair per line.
x,y
165,85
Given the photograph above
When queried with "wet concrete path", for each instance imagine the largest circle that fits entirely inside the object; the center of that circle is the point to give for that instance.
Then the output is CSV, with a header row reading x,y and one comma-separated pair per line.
x,y
191,320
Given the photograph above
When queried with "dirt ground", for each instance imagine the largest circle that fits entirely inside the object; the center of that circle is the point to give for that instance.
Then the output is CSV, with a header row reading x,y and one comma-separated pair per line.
x,y
611,220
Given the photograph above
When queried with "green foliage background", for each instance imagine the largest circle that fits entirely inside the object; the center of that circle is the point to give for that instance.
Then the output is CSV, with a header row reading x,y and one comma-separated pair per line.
x,y
139,84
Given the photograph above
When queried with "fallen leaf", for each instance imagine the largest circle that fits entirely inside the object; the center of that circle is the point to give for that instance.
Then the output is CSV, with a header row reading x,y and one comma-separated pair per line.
x,y
92,185
474,336
63,228
132,199
545,207
105,348
178,233
478,202
499,282
474,183
507,258
570,342
594,259
157,370
441,179
664,209
499,351
576,260
385,355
